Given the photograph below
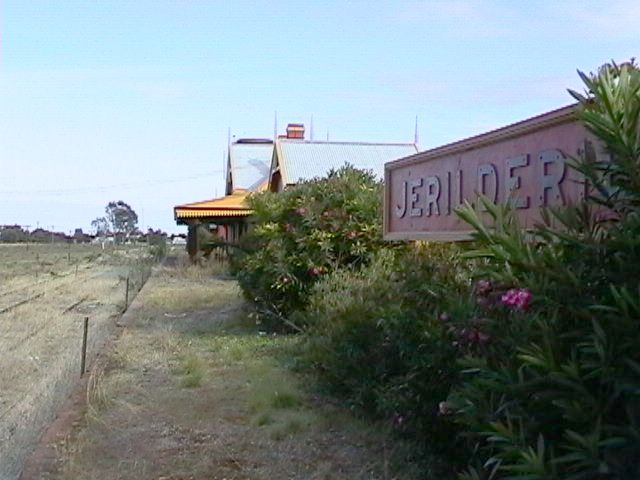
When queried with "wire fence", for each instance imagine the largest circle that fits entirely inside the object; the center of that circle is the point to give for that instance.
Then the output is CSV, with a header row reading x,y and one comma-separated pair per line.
x,y
41,341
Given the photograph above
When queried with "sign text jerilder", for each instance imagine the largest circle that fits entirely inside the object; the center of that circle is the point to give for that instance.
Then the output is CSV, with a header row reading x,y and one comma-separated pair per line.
x,y
524,164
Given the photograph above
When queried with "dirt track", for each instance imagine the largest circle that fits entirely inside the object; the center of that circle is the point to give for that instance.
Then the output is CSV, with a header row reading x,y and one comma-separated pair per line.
x,y
190,391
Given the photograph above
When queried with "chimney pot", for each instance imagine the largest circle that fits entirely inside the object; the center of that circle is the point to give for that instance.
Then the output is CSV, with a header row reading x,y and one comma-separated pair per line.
x,y
295,130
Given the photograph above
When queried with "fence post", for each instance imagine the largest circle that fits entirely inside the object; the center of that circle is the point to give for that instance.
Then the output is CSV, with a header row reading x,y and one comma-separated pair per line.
x,y
126,295
84,345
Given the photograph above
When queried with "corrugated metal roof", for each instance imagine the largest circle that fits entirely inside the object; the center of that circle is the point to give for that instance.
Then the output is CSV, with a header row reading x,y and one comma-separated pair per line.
x,y
303,160
250,164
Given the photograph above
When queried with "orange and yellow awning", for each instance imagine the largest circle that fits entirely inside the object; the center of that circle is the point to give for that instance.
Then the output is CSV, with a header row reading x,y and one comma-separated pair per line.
x,y
230,206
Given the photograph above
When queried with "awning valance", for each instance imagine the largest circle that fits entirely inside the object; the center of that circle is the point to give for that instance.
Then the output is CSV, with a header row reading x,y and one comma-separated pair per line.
x,y
230,206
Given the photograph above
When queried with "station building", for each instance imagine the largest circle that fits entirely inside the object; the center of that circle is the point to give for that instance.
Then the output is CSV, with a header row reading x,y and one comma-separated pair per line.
x,y
255,165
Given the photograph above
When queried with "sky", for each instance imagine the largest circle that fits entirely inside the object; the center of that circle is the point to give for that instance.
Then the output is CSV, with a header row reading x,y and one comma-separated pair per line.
x,y
133,100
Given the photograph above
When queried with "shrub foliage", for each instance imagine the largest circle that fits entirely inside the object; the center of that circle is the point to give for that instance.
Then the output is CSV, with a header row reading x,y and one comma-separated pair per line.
x,y
532,338
307,231
379,337
557,394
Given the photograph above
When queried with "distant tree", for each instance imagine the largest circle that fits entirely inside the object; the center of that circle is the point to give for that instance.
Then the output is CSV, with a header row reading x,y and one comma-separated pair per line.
x,y
122,219
12,234
101,226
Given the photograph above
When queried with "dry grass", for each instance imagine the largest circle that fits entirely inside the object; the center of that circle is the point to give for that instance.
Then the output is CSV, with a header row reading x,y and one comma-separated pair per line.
x,y
203,271
168,298
179,403
205,288
31,261
40,341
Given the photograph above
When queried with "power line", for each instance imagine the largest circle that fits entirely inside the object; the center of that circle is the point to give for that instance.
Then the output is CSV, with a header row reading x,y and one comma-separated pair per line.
x,y
105,188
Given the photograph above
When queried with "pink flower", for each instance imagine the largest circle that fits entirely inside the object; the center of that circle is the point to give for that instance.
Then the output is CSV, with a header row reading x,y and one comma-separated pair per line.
x,y
482,290
519,298
483,287
444,408
398,420
476,336
301,211
483,337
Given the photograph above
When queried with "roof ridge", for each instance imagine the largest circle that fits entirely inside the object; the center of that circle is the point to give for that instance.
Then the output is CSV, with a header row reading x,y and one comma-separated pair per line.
x,y
293,140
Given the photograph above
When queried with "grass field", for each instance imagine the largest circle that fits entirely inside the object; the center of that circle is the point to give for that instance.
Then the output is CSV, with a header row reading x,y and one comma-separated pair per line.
x,y
192,391
46,290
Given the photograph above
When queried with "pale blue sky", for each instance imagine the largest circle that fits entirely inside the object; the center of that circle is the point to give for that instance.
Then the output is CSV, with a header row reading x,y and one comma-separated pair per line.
x,y
131,100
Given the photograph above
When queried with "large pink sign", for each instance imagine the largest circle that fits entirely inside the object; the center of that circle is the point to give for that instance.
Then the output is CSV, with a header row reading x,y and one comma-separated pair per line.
x,y
524,164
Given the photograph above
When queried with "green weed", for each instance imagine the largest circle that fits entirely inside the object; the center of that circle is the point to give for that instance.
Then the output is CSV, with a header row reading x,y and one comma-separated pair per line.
x,y
192,369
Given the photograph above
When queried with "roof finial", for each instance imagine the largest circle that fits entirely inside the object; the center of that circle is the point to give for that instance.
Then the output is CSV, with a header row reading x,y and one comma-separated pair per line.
x,y
275,126
228,137
327,134
311,128
225,170
415,134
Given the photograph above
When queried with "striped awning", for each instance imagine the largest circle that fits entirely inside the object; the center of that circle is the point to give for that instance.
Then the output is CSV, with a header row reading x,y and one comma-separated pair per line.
x,y
212,213
230,206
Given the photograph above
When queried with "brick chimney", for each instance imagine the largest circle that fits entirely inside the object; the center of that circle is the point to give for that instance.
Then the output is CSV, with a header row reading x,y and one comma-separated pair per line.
x,y
295,130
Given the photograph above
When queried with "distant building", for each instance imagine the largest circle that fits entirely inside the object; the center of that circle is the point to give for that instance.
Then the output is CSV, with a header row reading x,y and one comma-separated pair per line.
x,y
255,165
80,237
296,159
248,163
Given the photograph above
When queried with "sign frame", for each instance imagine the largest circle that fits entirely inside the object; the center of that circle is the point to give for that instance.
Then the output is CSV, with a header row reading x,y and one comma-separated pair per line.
x,y
558,117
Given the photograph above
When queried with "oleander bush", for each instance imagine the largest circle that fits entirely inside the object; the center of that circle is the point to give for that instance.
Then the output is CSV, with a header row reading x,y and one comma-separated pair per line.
x,y
517,359
304,233
379,337
554,392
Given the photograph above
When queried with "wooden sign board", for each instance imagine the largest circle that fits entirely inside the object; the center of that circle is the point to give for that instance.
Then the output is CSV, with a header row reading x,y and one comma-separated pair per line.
x,y
524,164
